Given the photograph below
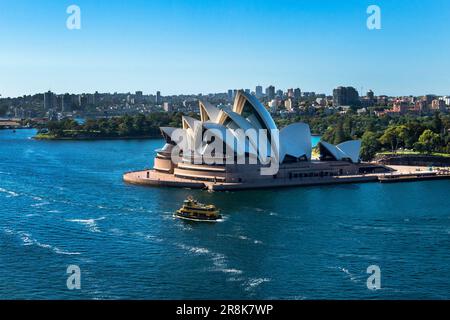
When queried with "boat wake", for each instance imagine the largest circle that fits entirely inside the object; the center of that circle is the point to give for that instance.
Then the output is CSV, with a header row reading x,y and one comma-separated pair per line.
x,y
9,193
91,224
353,278
241,237
252,283
28,240
218,260
40,204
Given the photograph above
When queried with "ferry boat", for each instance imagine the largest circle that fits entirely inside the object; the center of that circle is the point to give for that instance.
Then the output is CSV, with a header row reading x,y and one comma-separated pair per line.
x,y
195,211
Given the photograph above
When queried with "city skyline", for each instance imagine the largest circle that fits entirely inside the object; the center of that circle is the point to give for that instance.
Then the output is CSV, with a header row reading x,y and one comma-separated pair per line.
x,y
252,90
316,45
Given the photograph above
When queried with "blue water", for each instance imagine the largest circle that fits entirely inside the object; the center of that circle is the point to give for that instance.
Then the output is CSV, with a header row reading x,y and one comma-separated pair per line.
x,y
64,203
315,140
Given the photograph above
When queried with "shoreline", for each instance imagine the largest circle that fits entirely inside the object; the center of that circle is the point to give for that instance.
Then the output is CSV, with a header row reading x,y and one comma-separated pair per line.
x,y
107,138
16,128
151,178
95,138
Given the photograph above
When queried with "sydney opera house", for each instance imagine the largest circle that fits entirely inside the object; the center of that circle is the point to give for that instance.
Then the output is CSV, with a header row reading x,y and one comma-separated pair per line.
x,y
245,160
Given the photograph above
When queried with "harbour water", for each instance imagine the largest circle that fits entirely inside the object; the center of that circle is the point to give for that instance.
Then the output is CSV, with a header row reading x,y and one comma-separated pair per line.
x,y
64,203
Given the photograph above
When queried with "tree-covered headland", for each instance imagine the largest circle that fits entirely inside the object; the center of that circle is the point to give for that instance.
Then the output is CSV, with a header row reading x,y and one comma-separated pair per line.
x,y
394,134
402,134
117,127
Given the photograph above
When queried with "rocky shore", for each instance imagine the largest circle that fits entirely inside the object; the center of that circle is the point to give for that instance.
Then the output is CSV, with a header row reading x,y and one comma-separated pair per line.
x,y
413,160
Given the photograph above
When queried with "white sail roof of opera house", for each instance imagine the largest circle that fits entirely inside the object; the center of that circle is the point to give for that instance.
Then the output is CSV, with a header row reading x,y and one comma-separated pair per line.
x,y
167,133
295,140
250,108
221,132
248,113
208,112
346,150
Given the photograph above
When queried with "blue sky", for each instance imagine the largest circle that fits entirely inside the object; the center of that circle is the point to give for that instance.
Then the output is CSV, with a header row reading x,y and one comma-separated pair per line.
x,y
195,46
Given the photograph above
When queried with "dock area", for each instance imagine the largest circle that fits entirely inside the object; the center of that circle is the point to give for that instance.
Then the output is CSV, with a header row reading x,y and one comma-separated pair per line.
x,y
158,179
400,174
10,124
414,173
411,177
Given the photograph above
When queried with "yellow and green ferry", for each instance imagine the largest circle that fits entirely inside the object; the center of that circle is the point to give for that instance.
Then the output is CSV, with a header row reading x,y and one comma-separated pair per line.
x,y
195,211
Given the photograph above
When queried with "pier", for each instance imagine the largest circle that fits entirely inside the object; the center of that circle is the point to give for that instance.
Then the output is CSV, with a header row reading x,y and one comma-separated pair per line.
x,y
411,177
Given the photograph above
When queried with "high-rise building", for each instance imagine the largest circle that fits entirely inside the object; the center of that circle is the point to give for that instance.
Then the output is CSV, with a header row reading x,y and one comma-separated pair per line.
x,y
259,91
138,97
297,93
130,99
66,103
280,93
158,98
167,107
82,101
90,98
447,100
273,105
58,102
429,98
48,100
96,98
230,95
438,104
270,92
290,93
311,94
401,107
289,104
422,106
368,100
345,96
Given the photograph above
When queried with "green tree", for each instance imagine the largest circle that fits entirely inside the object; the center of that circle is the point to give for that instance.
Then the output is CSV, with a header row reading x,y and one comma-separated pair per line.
x,y
140,124
436,124
390,138
126,126
3,109
414,130
339,133
428,142
369,145
347,127
402,135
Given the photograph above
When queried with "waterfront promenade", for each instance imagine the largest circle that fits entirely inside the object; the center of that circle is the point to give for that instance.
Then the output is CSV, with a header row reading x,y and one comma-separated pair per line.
x,y
399,174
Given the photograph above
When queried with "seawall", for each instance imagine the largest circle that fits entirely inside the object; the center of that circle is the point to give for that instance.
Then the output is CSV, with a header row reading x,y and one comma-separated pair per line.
x,y
413,160
154,178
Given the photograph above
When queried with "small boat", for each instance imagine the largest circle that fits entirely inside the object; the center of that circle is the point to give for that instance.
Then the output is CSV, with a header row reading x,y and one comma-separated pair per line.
x,y
195,211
